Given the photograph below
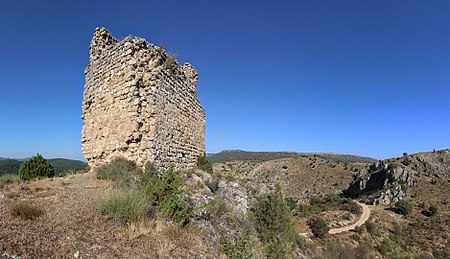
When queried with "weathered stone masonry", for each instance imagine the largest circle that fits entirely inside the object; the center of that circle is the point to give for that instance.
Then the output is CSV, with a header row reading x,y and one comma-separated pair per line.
x,y
137,107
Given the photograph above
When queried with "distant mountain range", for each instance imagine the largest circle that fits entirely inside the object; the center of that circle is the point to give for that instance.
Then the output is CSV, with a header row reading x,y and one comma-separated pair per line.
x,y
229,155
61,165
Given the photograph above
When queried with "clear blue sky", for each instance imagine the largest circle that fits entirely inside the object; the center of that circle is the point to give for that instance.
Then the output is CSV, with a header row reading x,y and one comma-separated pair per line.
x,y
360,77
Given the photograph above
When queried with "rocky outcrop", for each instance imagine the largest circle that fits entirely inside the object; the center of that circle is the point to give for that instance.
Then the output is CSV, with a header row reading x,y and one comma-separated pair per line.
x,y
435,164
139,103
386,181
382,183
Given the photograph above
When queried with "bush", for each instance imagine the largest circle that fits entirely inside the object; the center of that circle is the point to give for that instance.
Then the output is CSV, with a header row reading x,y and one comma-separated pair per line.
x,y
117,170
352,207
319,227
403,207
332,198
204,164
171,62
125,206
240,247
291,203
274,224
372,228
26,211
34,167
164,193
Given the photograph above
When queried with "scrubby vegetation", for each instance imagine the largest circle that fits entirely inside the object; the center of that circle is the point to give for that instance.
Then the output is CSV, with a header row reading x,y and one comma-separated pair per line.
x,y
34,167
240,247
119,170
8,179
274,224
125,206
204,164
139,194
25,210
404,207
318,227
171,62
61,166
165,195
330,202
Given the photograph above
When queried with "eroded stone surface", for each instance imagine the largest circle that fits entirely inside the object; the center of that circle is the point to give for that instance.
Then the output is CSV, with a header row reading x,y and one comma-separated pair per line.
x,y
137,107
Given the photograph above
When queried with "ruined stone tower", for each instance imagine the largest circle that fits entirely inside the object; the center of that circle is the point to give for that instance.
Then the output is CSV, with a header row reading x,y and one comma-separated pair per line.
x,y
140,104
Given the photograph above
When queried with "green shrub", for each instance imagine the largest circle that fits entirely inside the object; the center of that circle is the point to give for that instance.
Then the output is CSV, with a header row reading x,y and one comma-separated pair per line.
x,y
291,203
171,62
164,193
315,201
385,247
119,170
352,207
333,198
204,164
241,247
319,227
274,224
125,206
444,253
403,207
372,228
34,167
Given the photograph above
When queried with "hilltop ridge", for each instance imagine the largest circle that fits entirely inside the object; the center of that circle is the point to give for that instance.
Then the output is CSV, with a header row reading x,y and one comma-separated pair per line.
x,y
230,155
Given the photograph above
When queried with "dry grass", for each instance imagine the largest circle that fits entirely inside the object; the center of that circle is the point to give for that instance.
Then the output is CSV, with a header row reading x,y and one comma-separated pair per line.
x,y
26,211
8,179
12,194
140,228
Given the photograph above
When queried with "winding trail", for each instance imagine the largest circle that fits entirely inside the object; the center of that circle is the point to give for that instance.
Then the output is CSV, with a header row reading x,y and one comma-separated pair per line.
x,y
362,219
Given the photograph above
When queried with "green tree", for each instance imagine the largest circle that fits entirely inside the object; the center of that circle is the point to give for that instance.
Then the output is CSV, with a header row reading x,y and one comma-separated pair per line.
x,y
274,224
404,207
164,194
204,164
34,167
319,227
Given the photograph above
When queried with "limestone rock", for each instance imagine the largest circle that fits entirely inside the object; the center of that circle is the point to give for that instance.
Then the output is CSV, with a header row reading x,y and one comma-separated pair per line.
x,y
381,183
135,108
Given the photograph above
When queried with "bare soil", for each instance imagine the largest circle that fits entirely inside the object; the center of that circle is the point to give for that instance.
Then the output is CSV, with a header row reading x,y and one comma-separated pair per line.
x,y
72,226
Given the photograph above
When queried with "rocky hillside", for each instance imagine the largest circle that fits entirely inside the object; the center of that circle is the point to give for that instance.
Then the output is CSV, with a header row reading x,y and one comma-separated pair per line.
x,y
302,177
386,182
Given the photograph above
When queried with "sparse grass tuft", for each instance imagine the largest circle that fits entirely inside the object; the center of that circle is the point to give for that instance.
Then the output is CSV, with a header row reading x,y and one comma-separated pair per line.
x,y
26,211
125,206
8,179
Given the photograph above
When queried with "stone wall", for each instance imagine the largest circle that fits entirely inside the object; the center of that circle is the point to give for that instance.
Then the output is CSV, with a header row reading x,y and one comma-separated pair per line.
x,y
140,106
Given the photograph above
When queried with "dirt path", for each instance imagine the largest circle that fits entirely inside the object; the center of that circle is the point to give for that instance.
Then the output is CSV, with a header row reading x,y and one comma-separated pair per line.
x,y
362,219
